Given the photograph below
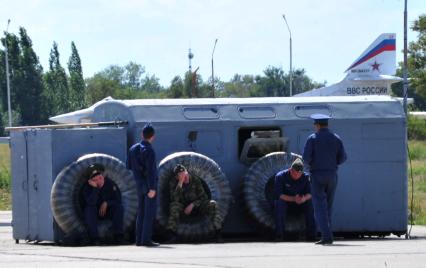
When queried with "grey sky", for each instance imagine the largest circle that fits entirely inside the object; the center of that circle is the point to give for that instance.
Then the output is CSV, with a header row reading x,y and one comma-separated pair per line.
x,y
328,35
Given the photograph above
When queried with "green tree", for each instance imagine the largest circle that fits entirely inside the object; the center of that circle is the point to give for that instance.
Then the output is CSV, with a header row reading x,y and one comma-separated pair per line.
x,y
417,57
176,88
77,85
397,90
416,66
273,83
240,86
194,86
132,74
57,90
15,72
29,89
302,83
116,73
2,124
151,84
100,87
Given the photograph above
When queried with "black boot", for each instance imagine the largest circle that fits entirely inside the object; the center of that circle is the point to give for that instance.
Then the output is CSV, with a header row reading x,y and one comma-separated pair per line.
x,y
218,236
94,242
118,239
171,237
279,238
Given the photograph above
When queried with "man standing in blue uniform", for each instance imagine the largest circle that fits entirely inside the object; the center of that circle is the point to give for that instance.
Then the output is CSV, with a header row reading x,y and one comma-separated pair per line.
x,y
292,192
141,160
323,152
102,199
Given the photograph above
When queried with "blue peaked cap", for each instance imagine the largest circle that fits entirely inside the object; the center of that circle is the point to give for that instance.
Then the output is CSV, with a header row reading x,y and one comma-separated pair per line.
x,y
320,118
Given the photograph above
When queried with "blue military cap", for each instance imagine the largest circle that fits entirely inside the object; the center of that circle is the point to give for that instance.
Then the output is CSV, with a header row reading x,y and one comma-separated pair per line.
x,y
320,118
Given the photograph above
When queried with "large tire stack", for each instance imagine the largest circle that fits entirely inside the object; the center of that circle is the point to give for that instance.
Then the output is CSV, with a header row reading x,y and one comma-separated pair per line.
x,y
216,185
258,186
66,194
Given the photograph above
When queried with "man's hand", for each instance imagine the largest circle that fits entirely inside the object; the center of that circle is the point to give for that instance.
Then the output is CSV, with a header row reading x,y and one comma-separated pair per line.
x,y
151,194
288,198
300,199
92,183
181,181
188,209
103,209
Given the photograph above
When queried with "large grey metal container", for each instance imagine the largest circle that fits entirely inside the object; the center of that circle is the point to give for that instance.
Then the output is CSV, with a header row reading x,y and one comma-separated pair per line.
x,y
371,196
37,158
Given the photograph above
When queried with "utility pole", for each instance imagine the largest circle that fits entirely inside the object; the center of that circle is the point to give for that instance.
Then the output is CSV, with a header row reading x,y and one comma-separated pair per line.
x,y
190,57
405,82
214,47
291,58
9,109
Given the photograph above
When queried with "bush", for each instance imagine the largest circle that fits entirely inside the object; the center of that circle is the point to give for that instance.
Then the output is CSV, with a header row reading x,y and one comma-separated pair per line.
x,y
416,128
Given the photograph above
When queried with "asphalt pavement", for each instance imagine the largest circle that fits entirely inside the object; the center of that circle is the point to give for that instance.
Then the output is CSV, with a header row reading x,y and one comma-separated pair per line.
x,y
369,252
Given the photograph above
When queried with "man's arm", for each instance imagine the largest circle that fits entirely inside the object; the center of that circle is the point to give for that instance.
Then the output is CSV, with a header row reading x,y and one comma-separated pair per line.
x,y
128,161
201,194
91,195
308,151
341,154
115,195
307,197
306,192
175,192
279,189
133,163
151,170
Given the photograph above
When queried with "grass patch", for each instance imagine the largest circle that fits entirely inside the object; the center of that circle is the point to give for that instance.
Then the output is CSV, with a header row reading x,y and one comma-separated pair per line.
x,y
4,167
417,150
4,155
5,200
418,162
5,178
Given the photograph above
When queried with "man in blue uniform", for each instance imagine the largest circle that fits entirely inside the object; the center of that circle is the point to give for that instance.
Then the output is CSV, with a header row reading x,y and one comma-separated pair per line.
x,y
141,160
292,192
102,199
323,152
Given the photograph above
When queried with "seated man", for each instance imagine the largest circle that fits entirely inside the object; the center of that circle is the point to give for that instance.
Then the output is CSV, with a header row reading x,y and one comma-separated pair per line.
x,y
292,192
102,200
188,197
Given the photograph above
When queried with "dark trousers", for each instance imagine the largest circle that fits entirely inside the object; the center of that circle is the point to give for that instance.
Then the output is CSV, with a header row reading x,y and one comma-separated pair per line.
x,y
145,219
114,213
323,187
281,208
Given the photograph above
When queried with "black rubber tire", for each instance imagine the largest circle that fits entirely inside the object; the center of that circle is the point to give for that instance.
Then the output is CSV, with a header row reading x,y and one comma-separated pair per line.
x,y
65,194
213,179
258,186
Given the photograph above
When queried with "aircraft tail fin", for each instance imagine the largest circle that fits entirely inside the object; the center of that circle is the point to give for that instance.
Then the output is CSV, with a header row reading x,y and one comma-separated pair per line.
x,y
378,59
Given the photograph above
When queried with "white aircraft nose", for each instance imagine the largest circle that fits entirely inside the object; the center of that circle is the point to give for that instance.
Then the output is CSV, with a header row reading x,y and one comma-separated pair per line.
x,y
76,117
